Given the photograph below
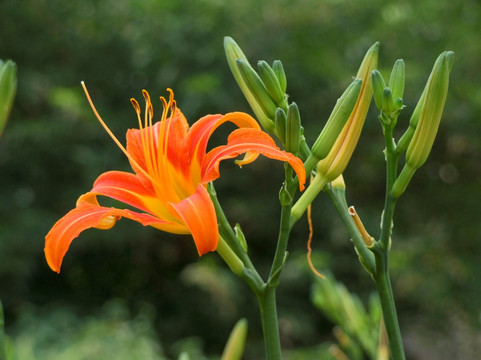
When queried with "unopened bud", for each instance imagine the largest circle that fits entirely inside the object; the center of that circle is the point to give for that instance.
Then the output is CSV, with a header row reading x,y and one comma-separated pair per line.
x,y
396,80
257,88
271,82
293,129
413,122
8,89
281,121
387,101
429,118
280,73
398,104
340,154
338,118
378,86
233,53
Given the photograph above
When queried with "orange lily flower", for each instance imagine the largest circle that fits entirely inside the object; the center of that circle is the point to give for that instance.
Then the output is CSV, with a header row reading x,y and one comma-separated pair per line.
x,y
171,172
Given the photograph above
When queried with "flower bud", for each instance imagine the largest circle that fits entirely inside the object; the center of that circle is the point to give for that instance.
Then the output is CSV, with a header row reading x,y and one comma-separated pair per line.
x,y
338,118
431,110
396,80
281,123
340,154
281,75
398,103
8,88
271,82
378,86
413,122
233,53
257,88
387,101
293,129
236,343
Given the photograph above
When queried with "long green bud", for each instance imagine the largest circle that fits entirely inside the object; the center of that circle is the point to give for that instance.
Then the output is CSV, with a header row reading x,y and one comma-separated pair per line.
x,y
338,118
429,118
336,161
281,75
271,82
378,86
281,123
396,80
341,151
257,88
293,129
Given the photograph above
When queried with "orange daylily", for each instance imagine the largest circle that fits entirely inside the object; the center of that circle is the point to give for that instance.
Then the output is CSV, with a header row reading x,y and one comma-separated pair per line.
x,y
171,171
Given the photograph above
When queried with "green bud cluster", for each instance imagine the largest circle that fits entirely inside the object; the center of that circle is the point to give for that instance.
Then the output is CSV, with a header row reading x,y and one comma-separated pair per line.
x,y
8,88
424,124
389,98
265,89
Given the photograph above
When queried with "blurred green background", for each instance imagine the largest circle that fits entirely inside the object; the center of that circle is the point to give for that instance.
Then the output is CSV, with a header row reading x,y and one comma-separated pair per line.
x,y
138,283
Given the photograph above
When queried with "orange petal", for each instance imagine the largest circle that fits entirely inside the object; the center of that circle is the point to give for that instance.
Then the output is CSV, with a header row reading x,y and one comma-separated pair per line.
x,y
251,141
200,132
85,216
125,187
198,213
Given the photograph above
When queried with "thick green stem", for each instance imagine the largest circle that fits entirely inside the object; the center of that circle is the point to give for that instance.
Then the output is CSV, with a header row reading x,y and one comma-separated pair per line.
x,y
384,288
267,300
270,325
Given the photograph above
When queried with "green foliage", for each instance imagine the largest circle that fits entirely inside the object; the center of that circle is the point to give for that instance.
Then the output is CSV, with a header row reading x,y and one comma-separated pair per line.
x,y
357,328
60,334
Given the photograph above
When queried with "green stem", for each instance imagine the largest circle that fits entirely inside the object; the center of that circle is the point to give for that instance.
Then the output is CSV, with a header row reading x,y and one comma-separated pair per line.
x,y
366,257
267,300
381,252
384,288
231,251
270,325
307,198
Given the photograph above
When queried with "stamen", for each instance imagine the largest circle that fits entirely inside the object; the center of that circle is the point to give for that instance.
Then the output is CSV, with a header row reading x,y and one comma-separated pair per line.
x,y
136,106
114,138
